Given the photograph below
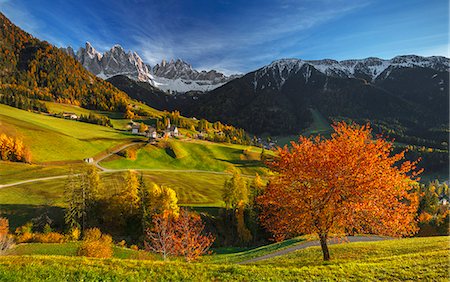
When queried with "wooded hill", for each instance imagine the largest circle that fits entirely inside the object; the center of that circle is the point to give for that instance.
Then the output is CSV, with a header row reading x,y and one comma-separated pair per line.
x,y
33,69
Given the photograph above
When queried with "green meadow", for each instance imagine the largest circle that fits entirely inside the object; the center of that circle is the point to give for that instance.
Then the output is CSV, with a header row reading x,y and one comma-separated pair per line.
x,y
192,155
416,259
55,139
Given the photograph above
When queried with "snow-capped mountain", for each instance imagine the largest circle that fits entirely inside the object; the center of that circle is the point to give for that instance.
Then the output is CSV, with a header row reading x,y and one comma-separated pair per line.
x,y
179,76
370,69
180,69
173,76
405,91
113,62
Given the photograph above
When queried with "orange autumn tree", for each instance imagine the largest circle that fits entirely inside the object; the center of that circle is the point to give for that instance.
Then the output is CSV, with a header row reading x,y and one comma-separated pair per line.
x,y
350,183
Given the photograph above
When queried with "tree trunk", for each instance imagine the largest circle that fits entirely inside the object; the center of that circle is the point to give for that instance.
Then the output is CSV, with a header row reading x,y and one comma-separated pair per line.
x,y
323,244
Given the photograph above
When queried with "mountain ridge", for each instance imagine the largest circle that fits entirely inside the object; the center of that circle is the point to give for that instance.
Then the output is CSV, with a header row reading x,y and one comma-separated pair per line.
x,y
407,94
174,76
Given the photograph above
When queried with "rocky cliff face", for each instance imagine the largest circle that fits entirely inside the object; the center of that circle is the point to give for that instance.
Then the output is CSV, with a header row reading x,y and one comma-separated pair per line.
x,y
113,62
175,76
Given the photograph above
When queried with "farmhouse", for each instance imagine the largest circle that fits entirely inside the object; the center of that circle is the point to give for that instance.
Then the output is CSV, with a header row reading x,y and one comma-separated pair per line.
x,y
89,160
151,133
70,115
135,128
171,131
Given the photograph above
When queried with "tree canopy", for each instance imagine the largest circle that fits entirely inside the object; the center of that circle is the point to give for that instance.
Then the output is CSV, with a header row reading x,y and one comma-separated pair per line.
x,y
350,183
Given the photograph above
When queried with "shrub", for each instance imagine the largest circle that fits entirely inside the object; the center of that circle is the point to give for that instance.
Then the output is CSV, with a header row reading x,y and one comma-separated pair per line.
x,y
51,237
92,234
47,229
74,234
131,154
27,228
95,244
6,241
122,244
134,248
24,237
24,233
4,226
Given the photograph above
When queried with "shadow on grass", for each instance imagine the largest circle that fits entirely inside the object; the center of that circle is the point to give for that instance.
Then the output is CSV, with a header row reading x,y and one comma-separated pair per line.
x,y
212,211
18,215
243,163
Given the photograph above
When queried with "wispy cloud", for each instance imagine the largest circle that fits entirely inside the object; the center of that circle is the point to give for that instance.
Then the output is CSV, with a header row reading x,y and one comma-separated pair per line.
x,y
238,36
268,31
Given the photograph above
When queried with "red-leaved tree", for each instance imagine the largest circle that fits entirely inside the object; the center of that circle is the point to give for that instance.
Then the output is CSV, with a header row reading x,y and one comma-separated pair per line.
x,y
350,183
161,238
192,243
178,236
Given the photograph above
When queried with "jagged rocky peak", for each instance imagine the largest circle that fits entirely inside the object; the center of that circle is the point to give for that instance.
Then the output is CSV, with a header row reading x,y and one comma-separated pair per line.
x,y
69,51
178,68
91,52
174,76
113,62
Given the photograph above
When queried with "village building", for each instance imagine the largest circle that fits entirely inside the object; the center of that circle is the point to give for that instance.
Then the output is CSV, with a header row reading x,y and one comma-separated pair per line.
x,y
70,115
135,129
151,133
171,131
89,160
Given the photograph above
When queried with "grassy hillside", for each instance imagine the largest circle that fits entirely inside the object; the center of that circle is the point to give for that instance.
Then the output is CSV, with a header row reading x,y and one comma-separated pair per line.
x,y
198,155
11,172
319,125
367,252
199,188
66,249
398,260
55,139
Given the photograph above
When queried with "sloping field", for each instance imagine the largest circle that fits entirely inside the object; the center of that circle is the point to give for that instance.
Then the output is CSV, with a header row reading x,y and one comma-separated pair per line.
x,y
56,139
402,260
199,155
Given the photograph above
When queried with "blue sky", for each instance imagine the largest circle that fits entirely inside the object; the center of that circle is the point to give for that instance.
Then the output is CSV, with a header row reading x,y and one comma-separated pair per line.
x,y
240,36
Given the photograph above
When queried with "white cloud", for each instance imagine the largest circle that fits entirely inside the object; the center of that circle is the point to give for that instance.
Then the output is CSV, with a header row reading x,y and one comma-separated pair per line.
x,y
230,43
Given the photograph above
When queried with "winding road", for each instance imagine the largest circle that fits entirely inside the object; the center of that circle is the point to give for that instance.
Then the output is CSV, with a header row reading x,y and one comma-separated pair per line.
x,y
109,170
307,244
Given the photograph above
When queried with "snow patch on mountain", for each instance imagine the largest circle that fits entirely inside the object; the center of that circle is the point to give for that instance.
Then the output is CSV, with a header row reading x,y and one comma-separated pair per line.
x,y
179,76
371,68
113,62
179,85
175,76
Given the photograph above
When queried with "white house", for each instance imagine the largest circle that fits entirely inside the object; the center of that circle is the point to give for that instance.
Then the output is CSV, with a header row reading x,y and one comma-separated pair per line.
x,y
151,133
70,115
171,131
135,129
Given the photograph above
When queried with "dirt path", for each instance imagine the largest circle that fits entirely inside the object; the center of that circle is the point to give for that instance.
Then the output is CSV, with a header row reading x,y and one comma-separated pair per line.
x,y
121,170
110,170
33,180
96,162
308,244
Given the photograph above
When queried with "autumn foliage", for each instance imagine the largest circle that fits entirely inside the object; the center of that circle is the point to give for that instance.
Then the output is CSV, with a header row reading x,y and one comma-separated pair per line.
x,y
4,226
13,149
95,244
6,241
178,236
350,183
